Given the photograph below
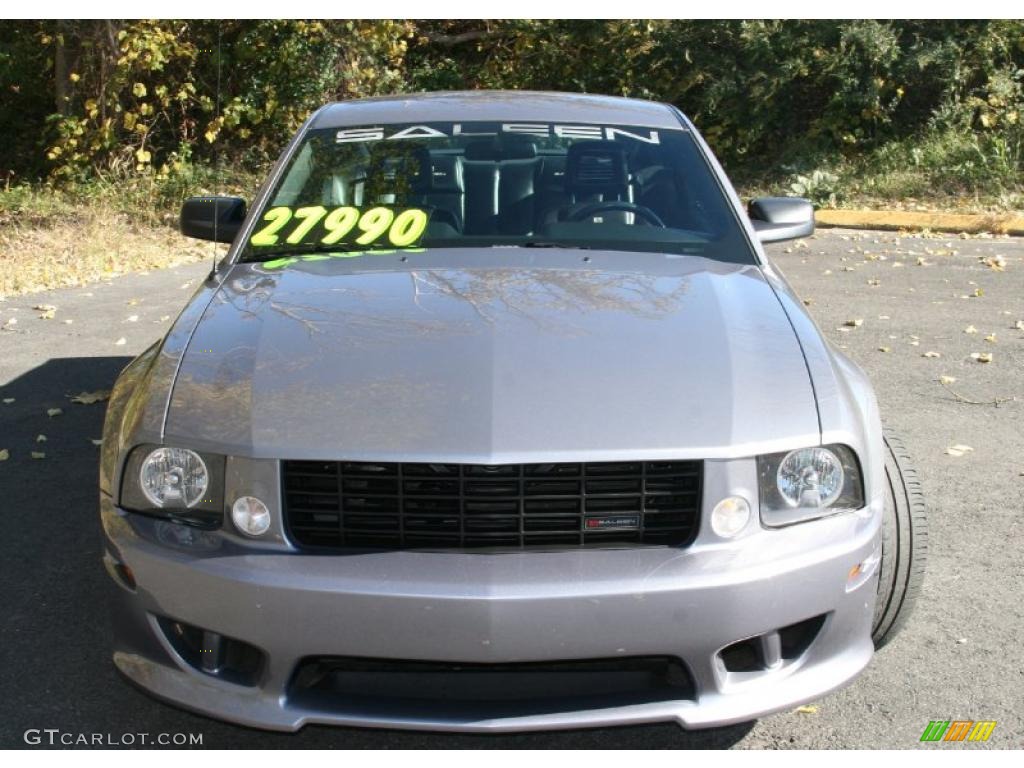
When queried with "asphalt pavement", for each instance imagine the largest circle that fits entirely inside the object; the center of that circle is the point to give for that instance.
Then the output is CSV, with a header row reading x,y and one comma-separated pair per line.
x,y
909,309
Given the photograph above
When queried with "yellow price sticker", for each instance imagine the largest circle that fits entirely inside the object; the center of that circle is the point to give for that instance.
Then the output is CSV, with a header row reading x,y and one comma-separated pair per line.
x,y
346,225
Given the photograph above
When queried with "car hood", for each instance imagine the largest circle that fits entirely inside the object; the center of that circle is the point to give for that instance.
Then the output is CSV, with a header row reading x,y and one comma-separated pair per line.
x,y
492,356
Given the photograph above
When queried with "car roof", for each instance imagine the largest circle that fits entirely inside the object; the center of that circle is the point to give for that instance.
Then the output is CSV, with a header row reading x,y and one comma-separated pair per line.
x,y
525,106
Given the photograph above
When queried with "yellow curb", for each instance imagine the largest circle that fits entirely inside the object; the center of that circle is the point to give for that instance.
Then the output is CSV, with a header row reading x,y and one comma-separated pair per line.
x,y
1004,224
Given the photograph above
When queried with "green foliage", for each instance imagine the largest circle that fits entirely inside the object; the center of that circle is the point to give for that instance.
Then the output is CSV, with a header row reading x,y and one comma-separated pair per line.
x,y
151,96
820,187
936,100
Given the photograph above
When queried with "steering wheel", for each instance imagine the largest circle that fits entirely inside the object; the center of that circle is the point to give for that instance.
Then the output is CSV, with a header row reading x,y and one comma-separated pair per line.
x,y
590,209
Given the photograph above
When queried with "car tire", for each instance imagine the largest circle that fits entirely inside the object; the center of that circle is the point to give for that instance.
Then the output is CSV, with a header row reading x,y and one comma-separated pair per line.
x,y
904,544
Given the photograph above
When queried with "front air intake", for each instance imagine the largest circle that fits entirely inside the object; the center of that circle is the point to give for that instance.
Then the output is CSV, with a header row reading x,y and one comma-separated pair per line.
x,y
461,691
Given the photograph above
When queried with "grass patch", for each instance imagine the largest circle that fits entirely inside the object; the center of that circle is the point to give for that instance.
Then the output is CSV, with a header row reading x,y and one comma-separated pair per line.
x,y
85,245
59,237
946,169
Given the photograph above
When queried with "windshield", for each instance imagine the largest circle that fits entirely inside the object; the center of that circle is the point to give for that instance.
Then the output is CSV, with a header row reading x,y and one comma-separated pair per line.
x,y
479,184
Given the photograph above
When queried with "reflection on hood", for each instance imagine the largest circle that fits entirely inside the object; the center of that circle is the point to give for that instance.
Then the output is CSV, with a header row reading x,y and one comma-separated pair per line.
x,y
475,362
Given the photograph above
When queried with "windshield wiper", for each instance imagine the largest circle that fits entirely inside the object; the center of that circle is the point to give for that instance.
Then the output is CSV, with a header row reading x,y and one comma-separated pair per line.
x,y
552,244
305,250
311,248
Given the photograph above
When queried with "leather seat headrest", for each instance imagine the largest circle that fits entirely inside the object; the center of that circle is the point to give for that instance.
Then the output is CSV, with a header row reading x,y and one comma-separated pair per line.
x,y
506,147
596,166
439,173
482,150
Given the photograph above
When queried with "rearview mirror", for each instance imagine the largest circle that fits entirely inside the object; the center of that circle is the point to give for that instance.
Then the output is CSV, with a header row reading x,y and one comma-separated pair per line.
x,y
212,218
781,218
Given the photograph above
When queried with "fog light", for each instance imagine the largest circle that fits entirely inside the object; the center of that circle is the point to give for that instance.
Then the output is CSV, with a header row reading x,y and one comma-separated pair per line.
x,y
730,516
250,516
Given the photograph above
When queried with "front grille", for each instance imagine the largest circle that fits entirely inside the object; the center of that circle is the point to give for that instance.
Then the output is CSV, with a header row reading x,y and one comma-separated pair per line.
x,y
456,506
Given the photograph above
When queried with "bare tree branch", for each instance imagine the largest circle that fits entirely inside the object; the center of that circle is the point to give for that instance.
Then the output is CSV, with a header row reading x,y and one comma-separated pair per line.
x,y
462,37
996,401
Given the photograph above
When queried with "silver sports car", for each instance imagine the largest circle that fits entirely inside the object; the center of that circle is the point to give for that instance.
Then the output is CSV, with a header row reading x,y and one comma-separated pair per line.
x,y
494,417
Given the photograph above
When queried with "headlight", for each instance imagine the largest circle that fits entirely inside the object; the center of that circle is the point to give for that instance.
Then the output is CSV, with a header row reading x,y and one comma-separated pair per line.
x,y
175,483
808,483
174,477
810,477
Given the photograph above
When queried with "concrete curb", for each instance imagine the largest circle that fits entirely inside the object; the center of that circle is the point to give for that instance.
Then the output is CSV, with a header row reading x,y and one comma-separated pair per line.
x,y
1004,224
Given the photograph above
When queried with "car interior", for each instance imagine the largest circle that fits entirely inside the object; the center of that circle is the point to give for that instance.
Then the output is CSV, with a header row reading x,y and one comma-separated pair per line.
x,y
508,186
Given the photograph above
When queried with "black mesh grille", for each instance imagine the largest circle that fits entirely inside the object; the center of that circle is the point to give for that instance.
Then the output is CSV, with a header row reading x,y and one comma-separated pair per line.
x,y
455,506
458,691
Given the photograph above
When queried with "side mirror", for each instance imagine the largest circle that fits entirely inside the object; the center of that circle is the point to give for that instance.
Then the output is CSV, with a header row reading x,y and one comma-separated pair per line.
x,y
212,218
781,218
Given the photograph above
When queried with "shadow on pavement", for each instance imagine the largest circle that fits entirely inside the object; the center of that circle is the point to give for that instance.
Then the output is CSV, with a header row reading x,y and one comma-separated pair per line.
x,y
57,668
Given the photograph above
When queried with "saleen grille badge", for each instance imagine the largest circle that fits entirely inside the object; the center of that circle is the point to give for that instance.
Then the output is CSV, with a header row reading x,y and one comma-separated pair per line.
x,y
617,522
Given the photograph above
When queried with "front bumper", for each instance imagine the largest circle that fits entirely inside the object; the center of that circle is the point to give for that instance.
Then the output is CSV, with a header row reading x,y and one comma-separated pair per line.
x,y
496,608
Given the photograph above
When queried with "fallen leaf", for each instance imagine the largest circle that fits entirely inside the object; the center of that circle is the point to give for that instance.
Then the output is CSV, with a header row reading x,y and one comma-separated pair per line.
x,y
884,349
982,357
997,263
132,319
958,449
51,412
45,308
856,322
121,342
48,314
4,454
931,354
947,379
970,329
921,262
978,293
38,455
88,398
991,338
68,322
1019,325
807,709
